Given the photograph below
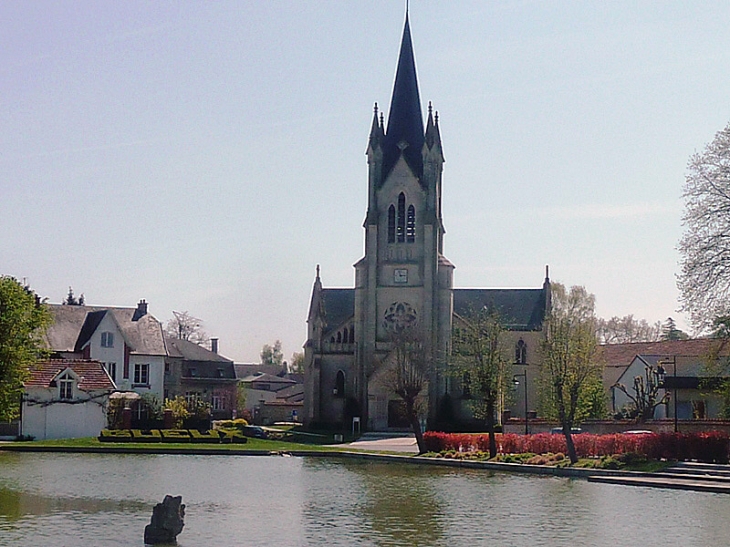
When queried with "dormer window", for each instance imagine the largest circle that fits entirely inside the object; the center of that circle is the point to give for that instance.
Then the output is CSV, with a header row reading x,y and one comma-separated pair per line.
x,y
107,339
66,387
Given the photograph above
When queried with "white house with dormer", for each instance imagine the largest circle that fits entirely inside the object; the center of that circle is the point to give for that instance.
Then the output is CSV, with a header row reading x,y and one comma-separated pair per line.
x,y
128,342
65,399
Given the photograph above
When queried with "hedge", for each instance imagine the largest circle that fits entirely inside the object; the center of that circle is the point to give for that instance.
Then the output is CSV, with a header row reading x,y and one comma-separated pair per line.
x,y
707,447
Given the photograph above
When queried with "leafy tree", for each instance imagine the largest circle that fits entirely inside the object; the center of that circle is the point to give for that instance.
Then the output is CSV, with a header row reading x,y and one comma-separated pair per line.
x,y
704,281
479,358
179,408
627,329
296,365
71,300
23,321
644,394
186,327
569,365
671,332
717,365
405,373
272,355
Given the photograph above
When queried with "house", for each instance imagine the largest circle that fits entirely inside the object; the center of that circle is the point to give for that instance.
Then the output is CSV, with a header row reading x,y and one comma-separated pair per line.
x,y
272,398
197,373
128,342
65,398
685,377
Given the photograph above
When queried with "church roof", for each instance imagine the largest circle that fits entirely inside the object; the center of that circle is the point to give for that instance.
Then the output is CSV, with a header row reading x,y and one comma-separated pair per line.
x,y
521,309
405,121
339,306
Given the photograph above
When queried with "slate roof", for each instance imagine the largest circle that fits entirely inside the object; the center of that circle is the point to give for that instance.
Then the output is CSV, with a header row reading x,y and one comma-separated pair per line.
x,y
339,306
520,309
190,351
267,378
244,370
405,119
92,375
73,326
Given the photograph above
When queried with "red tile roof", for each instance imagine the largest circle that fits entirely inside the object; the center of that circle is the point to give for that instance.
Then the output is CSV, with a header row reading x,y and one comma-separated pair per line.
x,y
617,357
91,374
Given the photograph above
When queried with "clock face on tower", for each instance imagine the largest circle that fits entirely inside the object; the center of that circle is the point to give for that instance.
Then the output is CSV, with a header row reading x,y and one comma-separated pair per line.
x,y
400,275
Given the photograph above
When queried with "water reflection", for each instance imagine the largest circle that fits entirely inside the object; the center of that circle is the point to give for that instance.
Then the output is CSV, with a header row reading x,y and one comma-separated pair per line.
x,y
15,504
57,500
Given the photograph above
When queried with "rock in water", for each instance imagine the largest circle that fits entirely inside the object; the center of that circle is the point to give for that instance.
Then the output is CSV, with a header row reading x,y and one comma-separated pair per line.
x,y
167,521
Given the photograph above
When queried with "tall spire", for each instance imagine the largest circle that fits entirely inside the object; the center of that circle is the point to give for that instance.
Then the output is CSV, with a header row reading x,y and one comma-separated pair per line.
x,y
405,122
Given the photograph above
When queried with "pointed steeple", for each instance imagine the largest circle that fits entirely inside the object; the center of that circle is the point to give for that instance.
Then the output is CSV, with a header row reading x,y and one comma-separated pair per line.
x,y
405,122
376,130
433,135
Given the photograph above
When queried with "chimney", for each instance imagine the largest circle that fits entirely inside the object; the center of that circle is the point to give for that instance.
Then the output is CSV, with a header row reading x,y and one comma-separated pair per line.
x,y
141,310
214,345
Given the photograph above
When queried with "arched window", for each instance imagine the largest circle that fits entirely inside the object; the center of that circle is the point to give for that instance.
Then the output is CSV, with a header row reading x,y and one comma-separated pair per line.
x,y
521,353
332,339
339,390
411,224
391,224
401,218
352,335
339,337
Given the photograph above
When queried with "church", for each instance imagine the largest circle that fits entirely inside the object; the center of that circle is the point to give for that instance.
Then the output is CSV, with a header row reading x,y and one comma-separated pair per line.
x,y
404,280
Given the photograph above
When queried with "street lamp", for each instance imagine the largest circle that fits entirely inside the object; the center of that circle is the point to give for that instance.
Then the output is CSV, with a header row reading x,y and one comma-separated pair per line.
x,y
523,375
661,373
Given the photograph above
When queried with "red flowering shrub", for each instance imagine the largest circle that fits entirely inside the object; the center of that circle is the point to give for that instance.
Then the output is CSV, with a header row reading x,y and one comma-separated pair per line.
x,y
709,446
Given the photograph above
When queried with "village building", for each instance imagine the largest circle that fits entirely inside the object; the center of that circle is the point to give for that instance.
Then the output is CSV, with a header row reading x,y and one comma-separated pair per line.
x,y
404,280
65,398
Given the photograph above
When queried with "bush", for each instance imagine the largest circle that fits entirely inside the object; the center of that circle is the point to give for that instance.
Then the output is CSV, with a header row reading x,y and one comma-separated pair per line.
x,y
707,447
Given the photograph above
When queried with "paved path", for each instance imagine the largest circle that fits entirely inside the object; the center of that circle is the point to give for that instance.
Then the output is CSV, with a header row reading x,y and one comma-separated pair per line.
x,y
384,442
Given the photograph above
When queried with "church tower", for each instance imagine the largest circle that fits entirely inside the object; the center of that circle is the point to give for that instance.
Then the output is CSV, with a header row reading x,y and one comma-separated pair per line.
x,y
403,279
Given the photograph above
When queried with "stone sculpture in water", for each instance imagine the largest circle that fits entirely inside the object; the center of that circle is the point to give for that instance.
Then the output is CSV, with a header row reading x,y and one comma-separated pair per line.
x,y
167,521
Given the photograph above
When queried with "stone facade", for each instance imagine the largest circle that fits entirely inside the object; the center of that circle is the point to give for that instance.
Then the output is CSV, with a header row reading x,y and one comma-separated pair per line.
x,y
403,279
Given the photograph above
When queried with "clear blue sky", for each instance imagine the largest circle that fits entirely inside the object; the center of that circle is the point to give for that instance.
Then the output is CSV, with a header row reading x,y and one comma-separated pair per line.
x,y
206,156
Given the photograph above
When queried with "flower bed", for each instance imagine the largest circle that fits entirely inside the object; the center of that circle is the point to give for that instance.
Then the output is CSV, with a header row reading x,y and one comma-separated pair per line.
x,y
708,447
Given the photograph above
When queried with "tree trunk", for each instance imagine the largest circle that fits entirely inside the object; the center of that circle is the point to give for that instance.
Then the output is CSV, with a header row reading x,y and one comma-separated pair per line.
x,y
572,455
416,426
490,430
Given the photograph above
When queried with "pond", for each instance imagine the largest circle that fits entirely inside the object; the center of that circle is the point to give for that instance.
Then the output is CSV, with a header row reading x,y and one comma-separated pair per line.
x,y
68,500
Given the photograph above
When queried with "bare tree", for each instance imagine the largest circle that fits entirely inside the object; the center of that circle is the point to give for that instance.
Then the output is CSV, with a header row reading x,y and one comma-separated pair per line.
x,y
704,281
186,327
569,356
644,394
627,329
479,358
405,372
